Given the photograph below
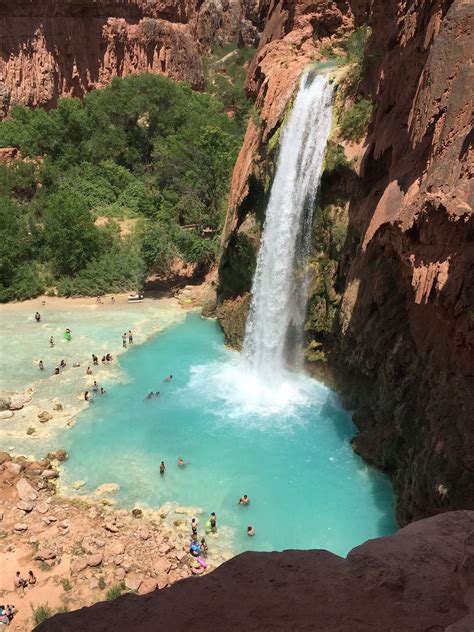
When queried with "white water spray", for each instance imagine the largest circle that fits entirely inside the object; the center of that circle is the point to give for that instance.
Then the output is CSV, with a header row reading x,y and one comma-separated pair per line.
x,y
274,331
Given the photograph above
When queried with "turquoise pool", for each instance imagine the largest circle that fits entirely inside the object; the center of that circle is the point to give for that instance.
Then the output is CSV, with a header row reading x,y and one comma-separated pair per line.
x,y
285,445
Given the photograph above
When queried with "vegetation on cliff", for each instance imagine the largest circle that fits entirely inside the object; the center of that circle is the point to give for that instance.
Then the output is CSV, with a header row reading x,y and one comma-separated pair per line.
x,y
146,150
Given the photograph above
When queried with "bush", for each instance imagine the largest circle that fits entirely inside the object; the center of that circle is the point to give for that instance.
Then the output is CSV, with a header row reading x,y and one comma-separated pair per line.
x,y
115,591
120,270
102,583
335,158
67,586
41,613
356,120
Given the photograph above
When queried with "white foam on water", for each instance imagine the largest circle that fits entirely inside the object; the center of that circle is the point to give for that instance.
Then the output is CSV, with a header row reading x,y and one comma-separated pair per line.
x,y
235,392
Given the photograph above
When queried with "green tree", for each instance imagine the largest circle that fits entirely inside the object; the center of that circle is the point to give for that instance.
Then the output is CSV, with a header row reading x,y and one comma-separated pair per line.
x,y
71,235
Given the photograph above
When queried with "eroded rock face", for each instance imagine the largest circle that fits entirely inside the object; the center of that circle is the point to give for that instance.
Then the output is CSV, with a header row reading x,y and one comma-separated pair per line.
x,y
417,580
402,346
51,49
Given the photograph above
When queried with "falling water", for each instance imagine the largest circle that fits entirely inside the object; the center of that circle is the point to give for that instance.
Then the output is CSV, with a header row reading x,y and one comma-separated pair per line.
x,y
274,332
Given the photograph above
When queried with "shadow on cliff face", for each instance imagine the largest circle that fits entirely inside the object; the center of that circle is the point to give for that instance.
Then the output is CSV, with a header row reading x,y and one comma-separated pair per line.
x,y
405,353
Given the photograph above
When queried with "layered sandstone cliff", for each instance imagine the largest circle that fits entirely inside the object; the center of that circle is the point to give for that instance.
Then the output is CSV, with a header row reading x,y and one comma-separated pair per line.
x,y
53,48
401,344
418,580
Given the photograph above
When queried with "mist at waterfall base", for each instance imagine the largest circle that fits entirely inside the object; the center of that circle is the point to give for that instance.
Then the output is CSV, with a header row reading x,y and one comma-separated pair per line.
x,y
293,457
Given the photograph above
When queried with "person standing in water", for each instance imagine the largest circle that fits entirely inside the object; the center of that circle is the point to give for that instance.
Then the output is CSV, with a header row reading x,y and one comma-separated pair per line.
x,y
162,468
244,500
250,530
124,340
213,522
37,317
51,342
130,337
41,365
181,462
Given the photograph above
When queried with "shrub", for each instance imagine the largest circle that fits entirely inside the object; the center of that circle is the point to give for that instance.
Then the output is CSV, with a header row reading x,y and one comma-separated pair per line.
x,y
41,613
335,158
67,586
102,583
356,120
115,591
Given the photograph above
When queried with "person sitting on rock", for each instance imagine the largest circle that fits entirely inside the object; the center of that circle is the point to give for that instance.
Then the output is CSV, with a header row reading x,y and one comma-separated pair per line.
x,y
31,578
245,500
19,582
204,547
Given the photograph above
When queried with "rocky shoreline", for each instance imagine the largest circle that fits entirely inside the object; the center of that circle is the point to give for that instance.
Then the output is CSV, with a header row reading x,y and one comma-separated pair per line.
x,y
79,549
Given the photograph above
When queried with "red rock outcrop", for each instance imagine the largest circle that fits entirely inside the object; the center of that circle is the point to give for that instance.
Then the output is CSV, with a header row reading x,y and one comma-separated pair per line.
x,y
418,580
402,347
53,48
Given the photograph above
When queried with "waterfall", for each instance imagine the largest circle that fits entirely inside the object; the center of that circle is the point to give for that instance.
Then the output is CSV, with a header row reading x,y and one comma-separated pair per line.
x,y
274,330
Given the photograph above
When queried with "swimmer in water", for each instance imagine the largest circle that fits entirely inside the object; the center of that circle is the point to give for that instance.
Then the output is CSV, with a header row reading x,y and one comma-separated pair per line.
x,y
41,365
157,394
102,391
244,500
181,462
250,530
162,468
56,371
150,395
168,379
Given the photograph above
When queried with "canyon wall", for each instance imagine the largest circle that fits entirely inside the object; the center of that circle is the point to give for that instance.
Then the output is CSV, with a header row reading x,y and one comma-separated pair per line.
x,y
400,339
418,580
53,48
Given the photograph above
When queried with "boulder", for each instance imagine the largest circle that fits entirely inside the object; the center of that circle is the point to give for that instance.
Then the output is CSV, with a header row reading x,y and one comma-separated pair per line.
x,y
117,548
49,474
59,455
78,564
44,416
110,526
6,414
4,456
25,506
44,554
120,574
95,559
133,583
20,527
78,484
42,508
25,490
144,534
137,513
107,488
5,405
146,586
16,404
181,556
13,468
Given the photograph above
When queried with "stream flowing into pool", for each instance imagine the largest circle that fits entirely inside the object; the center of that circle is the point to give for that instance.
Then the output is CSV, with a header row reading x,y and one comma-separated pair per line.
x,y
286,446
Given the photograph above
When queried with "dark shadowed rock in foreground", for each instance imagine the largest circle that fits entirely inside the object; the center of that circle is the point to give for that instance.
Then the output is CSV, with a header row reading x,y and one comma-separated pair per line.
x,y
420,579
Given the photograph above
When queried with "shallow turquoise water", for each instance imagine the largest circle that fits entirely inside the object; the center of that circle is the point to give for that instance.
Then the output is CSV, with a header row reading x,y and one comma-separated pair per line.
x,y
285,445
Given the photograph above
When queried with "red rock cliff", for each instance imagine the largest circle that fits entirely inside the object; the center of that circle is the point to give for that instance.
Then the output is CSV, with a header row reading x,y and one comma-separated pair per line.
x,y
52,48
402,345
